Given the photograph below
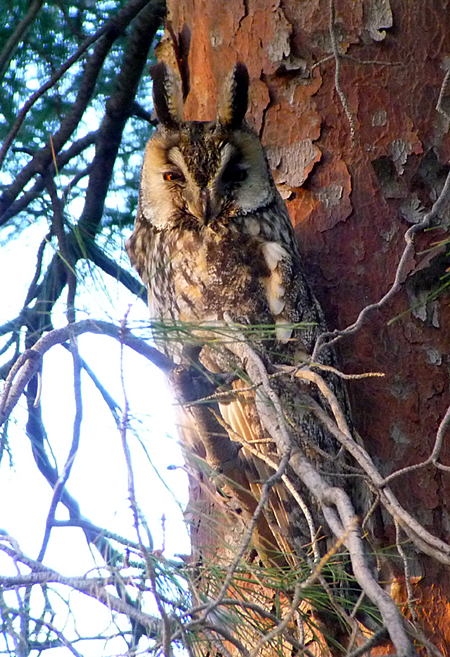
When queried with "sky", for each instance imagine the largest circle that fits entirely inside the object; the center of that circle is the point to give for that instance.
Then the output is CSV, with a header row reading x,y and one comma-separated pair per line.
x,y
99,477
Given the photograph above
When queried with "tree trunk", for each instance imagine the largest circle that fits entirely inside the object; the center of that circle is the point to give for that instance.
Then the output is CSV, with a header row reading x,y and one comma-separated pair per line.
x,y
345,100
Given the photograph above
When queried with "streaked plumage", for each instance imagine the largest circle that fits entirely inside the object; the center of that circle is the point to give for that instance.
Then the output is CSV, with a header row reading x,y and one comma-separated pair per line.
x,y
213,240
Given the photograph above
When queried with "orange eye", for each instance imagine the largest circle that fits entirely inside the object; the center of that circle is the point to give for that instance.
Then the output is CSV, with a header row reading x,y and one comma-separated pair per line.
x,y
173,176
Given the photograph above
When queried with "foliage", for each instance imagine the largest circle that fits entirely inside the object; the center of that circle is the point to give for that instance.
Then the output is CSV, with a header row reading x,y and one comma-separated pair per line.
x,y
56,136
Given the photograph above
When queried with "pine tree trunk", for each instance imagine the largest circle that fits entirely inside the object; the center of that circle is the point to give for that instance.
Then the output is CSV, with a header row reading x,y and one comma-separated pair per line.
x,y
348,111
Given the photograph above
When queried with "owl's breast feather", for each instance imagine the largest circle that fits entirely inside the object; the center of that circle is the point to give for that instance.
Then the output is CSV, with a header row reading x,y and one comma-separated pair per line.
x,y
215,272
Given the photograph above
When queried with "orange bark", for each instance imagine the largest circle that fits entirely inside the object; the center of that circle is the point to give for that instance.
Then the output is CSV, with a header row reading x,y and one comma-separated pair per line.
x,y
348,203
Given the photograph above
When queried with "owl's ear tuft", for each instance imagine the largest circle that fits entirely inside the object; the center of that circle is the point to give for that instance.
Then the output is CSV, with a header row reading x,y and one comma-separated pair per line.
x,y
233,101
167,95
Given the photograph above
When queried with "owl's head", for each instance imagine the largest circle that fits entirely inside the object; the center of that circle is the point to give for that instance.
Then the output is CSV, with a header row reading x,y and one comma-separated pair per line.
x,y
196,173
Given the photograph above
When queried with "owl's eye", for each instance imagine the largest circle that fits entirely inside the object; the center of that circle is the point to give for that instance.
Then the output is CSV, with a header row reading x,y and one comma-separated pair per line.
x,y
173,176
234,173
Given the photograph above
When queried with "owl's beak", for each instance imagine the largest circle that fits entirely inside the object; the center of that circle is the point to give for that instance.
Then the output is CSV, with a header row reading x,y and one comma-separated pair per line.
x,y
204,205
205,202
208,204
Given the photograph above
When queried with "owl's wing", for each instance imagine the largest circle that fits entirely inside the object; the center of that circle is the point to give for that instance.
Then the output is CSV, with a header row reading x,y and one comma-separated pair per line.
x,y
225,479
299,321
259,459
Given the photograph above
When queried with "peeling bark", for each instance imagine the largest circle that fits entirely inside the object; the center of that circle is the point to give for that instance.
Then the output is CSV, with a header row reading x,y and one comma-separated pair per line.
x,y
352,203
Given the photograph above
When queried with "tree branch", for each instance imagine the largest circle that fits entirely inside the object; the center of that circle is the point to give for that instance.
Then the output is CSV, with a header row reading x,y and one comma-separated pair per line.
x,y
61,160
105,37
29,362
329,338
335,503
67,468
119,108
23,26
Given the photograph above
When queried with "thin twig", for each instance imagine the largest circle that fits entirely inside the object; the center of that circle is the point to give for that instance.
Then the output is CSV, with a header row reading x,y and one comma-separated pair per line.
x,y
363,62
284,478
327,339
337,73
442,91
407,574
108,399
29,361
37,272
432,459
94,588
63,478
347,377
138,518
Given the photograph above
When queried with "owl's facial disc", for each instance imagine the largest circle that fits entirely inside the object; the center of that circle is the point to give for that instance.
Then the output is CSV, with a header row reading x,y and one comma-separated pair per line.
x,y
215,173
203,173
200,173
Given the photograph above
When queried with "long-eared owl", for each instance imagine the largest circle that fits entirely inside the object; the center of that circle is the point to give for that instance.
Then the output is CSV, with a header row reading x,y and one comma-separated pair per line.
x,y
213,242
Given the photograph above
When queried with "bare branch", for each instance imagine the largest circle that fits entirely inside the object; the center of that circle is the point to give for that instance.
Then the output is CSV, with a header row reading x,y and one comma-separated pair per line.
x,y
337,73
63,478
434,456
335,503
27,364
329,338
18,34
422,539
94,588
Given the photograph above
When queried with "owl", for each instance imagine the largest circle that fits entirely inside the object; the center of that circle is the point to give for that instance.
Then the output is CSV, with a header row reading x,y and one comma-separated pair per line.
x,y
215,247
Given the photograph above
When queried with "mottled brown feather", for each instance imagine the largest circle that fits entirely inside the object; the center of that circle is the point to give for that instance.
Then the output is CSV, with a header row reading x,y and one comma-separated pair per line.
x,y
213,240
